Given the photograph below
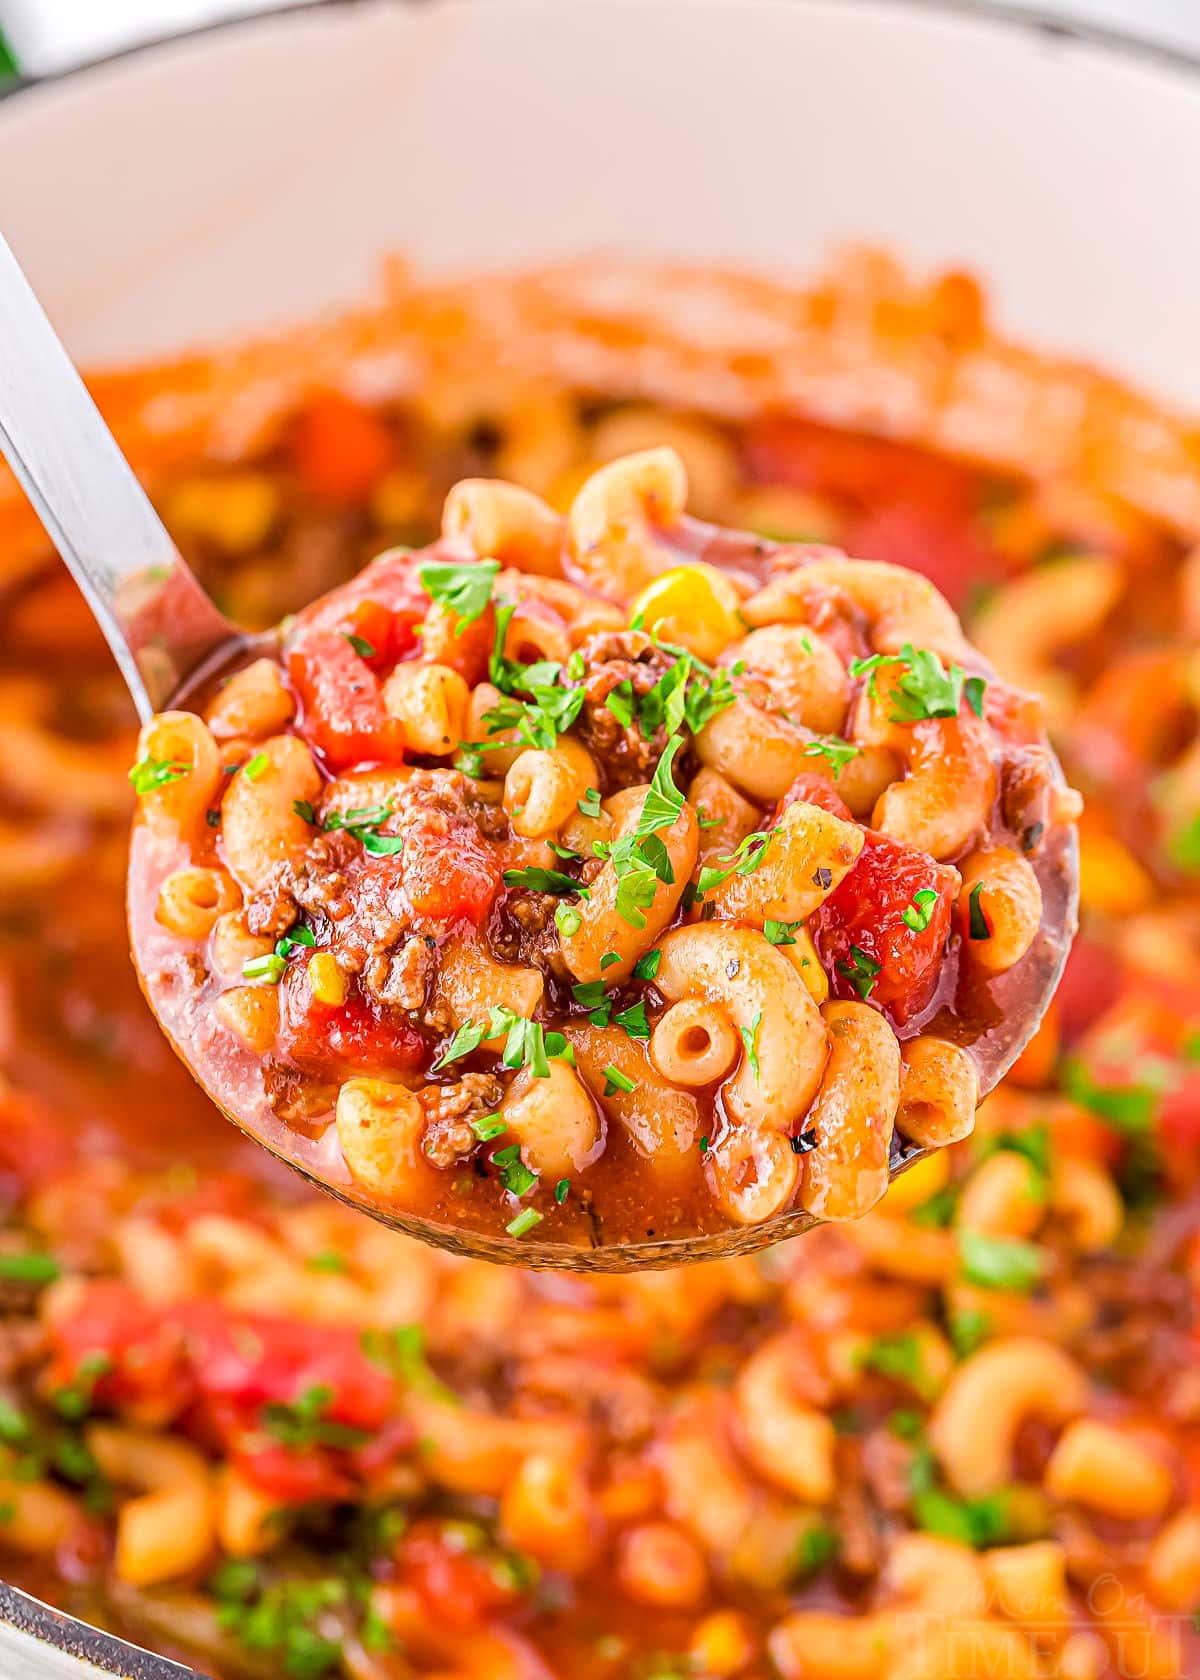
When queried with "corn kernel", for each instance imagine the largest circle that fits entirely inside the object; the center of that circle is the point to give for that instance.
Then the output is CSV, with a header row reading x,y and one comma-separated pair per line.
x,y
326,979
723,1643
236,512
804,959
695,606
1111,879
922,1180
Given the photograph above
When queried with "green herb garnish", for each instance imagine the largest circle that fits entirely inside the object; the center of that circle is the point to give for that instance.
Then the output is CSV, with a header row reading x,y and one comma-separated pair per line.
x,y
861,970
464,589
150,773
918,914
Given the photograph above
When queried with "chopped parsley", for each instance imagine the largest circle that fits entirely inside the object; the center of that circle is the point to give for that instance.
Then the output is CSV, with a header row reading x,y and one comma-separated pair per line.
x,y
619,702
543,880
1000,1262
360,644
363,823
835,750
918,914
401,1350
150,773
925,688
300,936
467,1039
608,959
750,1040
515,1176
780,933
861,970
287,1621
977,1522
35,1269
645,968
1183,846
978,925
329,1260
304,1422
663,802
968,1329
817,1548
632,1021
589,805
615,1080
567,920
899,1356
527,1043
744,860
75,1400
464,590
561,1190
304,810
1129,1109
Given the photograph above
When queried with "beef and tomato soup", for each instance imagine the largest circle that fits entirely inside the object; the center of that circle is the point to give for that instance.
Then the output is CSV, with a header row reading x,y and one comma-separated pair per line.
x,y
491,886
957,1436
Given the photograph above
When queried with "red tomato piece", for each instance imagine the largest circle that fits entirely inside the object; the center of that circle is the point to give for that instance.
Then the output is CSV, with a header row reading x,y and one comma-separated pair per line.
x,y
341,450
867,912
781,449
251,1361
459,1587
355,1034
944,544
344,716
295,1477
812,788
118,1351
390,585
449,872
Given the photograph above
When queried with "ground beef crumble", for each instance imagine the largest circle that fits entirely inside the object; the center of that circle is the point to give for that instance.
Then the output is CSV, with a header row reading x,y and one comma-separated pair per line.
x,y
356,903
624,755
448,1111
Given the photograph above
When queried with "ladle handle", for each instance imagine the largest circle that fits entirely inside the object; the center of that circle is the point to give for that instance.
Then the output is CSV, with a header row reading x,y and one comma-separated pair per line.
x,y
159,622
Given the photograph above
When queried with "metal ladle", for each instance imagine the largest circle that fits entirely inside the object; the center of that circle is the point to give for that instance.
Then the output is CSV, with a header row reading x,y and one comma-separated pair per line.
x,y
165,634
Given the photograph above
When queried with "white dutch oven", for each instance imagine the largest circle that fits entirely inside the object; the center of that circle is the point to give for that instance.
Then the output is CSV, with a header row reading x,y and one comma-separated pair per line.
x,y
254,174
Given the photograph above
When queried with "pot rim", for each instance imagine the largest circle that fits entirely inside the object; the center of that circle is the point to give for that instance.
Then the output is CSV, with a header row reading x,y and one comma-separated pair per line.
x,y
1046,22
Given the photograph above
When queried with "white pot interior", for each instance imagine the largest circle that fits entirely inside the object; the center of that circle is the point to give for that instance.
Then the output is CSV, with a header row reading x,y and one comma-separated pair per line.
x,y
256,173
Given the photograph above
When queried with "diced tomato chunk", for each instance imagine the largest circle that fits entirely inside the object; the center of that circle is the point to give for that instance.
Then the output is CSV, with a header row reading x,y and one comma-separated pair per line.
x,y
340,449
113,1349
906,506
449,872
862,924
943,544
253,1360
459,1588
812,788
344,715
354,1034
